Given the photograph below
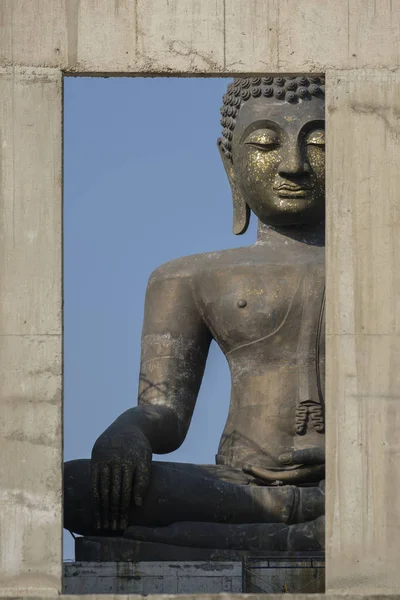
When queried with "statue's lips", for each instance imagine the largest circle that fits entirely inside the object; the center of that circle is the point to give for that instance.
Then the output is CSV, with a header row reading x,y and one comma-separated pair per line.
x,y
291,191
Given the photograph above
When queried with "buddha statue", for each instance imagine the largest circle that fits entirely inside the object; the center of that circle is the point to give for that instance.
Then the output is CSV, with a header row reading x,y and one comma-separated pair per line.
x,y
264,307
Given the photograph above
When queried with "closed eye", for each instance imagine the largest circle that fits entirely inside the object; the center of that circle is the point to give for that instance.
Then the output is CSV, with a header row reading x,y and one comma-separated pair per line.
x,y
263,139
263,145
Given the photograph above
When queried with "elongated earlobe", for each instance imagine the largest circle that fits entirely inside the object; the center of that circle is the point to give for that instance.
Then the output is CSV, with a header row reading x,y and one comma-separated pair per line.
x,y
241,210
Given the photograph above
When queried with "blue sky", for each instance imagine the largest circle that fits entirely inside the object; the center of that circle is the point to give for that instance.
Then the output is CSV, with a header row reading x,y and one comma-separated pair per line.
x,y
143,184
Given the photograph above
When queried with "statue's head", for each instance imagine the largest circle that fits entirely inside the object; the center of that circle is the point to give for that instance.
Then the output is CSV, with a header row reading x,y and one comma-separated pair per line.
x,y
273,149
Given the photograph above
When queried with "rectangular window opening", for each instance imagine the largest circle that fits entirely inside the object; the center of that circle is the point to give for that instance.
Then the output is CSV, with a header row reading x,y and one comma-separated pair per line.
x,y
194,334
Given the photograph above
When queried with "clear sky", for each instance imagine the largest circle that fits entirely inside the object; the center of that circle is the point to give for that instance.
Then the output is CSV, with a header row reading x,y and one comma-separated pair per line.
x,y
143,184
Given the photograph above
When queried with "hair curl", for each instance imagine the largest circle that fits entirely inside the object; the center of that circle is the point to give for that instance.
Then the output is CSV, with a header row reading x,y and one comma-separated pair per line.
x,y
288,89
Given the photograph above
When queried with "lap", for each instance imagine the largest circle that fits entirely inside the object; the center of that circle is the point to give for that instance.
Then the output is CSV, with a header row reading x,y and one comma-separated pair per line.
x,y
217,472
77,472
175,481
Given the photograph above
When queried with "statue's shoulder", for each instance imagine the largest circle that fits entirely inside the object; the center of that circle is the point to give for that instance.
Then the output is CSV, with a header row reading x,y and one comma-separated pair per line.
x,y
186,266
197,264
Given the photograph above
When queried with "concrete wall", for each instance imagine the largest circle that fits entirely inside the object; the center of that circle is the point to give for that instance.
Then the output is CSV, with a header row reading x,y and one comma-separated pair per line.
x,y
30,326
363,330
357,44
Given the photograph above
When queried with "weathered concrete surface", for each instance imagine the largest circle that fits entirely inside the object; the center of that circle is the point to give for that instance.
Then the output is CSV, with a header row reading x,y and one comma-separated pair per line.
x,y
152,578
363,331
30,330
193,577
193,36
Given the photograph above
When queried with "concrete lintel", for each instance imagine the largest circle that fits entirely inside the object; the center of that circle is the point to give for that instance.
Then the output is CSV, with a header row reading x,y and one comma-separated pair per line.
x,y
191,37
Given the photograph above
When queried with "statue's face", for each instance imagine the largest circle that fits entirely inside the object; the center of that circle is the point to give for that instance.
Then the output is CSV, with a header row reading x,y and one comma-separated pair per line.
x,y
278,154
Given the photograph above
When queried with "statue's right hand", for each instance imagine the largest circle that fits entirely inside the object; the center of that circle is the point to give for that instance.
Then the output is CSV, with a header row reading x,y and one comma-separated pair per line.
x,y
305,456
121,467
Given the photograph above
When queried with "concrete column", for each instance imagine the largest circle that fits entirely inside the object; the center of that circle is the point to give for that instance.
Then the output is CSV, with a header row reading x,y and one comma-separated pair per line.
x,y
363,330
30,331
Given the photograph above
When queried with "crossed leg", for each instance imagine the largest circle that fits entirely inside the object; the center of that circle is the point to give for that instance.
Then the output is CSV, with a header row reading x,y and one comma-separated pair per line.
x,y
194,493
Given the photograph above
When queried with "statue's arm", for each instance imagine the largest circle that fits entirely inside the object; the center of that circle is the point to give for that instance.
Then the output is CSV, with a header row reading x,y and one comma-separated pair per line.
x,y
175,344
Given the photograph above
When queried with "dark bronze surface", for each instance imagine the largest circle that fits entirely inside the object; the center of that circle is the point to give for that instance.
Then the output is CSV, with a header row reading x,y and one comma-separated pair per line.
x,y
123,549
264,306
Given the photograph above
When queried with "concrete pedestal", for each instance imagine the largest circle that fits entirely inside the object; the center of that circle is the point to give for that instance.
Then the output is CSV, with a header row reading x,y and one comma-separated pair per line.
x,y
274,575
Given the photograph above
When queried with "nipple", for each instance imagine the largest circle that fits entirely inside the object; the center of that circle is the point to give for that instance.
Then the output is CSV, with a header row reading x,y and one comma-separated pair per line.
x,y
242,303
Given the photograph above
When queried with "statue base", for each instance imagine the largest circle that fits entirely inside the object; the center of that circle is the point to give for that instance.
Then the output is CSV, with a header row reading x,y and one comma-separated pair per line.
x,y
274,574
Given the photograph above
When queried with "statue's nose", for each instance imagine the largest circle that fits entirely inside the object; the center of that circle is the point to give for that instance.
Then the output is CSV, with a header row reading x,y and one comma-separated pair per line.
x,y
293,163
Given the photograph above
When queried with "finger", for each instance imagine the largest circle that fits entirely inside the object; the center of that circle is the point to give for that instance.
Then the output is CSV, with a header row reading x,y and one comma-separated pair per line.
x,y
142,480
301,475
105,496
115,496
306,456
125,496
96,495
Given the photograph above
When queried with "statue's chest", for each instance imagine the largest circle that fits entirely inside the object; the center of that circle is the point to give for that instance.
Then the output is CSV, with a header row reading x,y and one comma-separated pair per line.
x,y
243,304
